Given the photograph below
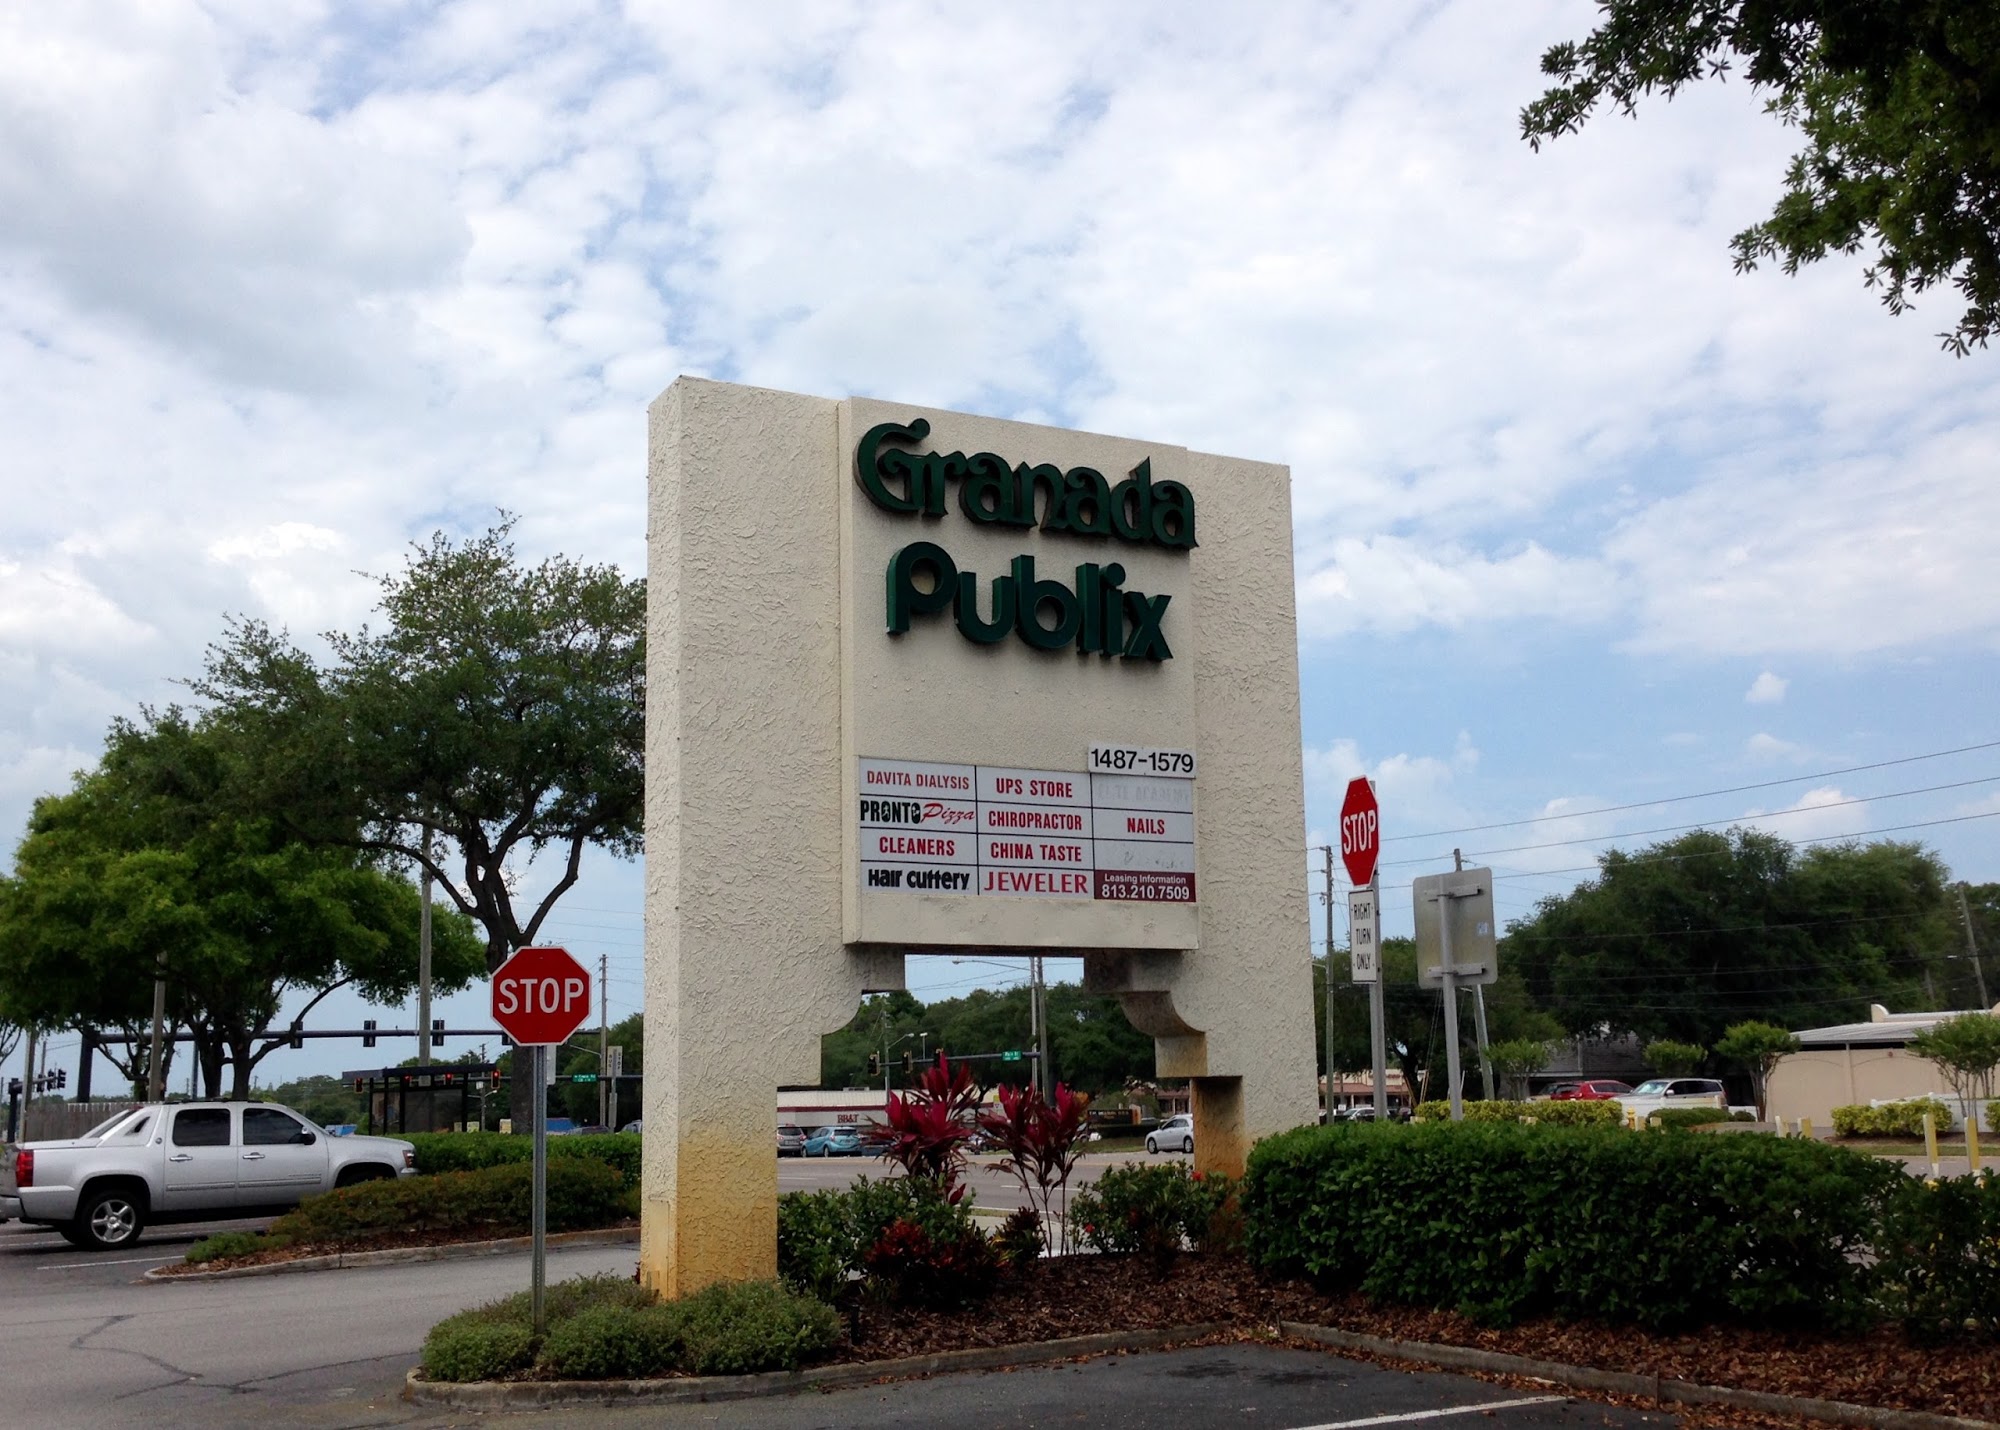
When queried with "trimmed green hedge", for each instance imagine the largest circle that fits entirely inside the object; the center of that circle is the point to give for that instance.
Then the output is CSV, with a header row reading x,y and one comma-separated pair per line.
x,y
607,1328
1938,1270
1576,1112
497,1200
469,1151
1502,1221
1674,1119
1894,1119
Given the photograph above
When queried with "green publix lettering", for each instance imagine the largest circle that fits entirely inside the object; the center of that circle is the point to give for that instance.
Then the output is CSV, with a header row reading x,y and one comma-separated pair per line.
x,y
1098,616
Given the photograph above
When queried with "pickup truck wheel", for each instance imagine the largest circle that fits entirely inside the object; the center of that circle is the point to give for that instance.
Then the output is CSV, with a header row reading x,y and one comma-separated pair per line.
x,y
109,1219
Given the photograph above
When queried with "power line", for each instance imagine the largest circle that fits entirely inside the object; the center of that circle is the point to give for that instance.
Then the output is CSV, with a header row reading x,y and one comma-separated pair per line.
x,y
1709,824
1706,794
1719,853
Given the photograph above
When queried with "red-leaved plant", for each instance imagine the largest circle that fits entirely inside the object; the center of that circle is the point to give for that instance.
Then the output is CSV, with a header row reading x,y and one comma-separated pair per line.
x,y
929,1125
1043,1141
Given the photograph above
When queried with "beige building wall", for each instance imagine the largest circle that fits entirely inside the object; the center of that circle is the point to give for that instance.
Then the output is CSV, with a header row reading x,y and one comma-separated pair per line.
x,y
770,674
1814,1082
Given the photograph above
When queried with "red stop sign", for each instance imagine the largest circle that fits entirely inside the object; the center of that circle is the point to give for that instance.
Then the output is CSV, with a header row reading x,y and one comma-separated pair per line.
x,y
540,995
1360,831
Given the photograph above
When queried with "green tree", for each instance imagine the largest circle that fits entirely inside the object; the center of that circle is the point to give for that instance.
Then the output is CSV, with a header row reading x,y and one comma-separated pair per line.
x,y
323,1098
1093,1046
144,868
1756,1046
1515,1061
1671,1059
1966,1051
501,709
1688,936
1895,103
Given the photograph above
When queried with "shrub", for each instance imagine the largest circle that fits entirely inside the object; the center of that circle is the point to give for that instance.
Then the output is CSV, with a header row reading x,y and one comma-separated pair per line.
x,y
496,1201
1892,1119
1021,1239
913,1266
824,1237
1680,1119
1151,1210
466,1348
605,1327
1043,1141
1938,1266
1580,1112
1503,1221
748,1326
232,1243
471,1151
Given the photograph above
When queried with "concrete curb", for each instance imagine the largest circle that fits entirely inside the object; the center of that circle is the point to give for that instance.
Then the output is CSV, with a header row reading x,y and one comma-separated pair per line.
x,y
1660,1389
451,1251
531,1394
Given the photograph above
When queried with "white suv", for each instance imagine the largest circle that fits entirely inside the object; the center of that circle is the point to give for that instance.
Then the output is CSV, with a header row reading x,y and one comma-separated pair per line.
x,y
1664,1092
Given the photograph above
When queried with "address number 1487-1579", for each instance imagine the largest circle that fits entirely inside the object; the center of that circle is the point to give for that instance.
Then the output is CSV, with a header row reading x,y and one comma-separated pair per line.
x,y
1131,760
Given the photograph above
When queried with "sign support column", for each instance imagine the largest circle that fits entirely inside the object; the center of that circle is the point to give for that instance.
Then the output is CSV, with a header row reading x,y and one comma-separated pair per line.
x,y
1448,976
1378,1042
540,1254
1326,1117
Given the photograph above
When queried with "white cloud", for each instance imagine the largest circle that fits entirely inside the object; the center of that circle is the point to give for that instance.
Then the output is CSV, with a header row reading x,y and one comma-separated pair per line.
x,y
1823,813
1764,747
1766,689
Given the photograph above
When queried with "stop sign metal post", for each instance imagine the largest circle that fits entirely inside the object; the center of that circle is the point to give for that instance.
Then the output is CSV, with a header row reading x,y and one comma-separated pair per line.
x,y
1360,849
540,997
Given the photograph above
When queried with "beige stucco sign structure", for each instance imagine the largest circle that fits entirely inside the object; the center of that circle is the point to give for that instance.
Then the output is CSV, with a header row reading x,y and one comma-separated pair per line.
x,y
920,681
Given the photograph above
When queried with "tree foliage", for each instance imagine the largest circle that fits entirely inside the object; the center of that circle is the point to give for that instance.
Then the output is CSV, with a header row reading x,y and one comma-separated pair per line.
x,y
1092,1045
1966,1051
1896,104
1671,1059
501,709
1686,937
1756,1047
147,867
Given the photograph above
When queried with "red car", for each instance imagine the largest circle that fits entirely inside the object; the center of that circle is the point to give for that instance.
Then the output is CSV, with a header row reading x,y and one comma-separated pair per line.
x,y
1601,1089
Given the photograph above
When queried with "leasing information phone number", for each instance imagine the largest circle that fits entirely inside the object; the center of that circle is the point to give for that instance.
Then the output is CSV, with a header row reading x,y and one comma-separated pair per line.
x,y
1131,760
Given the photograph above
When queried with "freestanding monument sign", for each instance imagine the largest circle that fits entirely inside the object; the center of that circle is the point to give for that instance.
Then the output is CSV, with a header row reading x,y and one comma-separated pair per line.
x,y
922,681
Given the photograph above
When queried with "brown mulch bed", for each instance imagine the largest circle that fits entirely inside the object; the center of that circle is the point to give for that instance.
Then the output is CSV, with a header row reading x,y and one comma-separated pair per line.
x,y
1084,1295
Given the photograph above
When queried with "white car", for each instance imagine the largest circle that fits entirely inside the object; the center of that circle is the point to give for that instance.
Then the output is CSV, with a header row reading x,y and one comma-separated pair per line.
x,y
178,1162
1662,1093
1176,1134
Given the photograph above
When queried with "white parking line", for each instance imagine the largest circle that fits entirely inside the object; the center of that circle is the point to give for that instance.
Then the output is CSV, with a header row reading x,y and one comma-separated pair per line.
x,y
1478,1409
127,1261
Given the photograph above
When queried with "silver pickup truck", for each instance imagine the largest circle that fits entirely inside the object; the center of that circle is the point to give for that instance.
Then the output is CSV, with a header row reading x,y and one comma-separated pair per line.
x,y
185,1161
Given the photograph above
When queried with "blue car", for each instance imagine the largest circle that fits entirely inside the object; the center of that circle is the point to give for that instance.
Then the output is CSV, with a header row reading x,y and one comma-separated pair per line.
x,y
832,1142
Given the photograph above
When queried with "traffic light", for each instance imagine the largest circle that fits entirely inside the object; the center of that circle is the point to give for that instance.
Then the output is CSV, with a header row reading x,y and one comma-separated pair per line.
x,y
437,1032
297,1041
367,1035
874,1066
62,1078
909,1065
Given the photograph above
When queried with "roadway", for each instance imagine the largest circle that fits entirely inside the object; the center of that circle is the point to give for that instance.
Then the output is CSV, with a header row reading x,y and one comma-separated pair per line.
x,y
88,1344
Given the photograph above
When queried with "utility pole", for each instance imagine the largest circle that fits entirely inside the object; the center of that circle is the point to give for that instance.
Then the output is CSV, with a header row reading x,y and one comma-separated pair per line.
x,y
1039,1014
424,962
1326,1115
156,1075
1972,948
1478,1014
28,1088
603,1035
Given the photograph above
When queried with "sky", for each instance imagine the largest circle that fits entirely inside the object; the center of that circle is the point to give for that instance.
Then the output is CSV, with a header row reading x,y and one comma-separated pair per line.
x,y
1583,518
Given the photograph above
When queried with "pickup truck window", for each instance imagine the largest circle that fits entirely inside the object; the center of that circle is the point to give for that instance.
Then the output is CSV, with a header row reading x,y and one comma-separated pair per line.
x,y
133,1130
202,1127
268,1127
